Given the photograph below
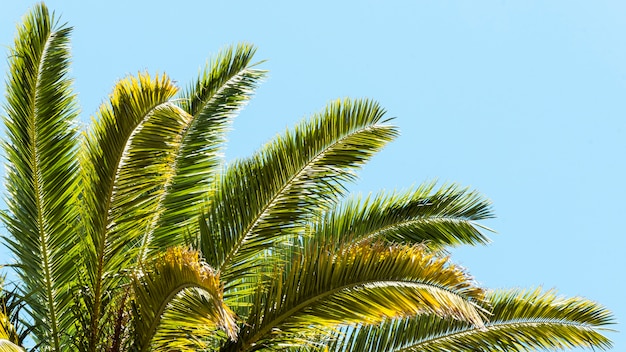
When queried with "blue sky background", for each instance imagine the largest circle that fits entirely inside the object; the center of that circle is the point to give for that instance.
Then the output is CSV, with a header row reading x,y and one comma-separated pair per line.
x,y
524,101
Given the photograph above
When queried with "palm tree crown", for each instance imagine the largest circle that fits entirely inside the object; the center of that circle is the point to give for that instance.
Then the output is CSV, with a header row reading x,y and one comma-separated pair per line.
x,y
136,235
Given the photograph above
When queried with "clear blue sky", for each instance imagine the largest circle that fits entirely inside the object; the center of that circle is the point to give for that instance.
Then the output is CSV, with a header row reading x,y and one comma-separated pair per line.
x,y
523,100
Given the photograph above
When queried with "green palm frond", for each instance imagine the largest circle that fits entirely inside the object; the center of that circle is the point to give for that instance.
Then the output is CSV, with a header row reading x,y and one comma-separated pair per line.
x,y
42,168
297,175
133,100
446,217
177,151
521,320
363,284
156,290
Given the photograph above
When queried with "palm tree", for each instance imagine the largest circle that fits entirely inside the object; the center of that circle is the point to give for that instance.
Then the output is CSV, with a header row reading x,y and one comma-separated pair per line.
x,y
136,235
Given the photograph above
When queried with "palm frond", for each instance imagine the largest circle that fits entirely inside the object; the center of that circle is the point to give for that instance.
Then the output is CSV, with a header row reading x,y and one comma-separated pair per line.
x,y
176,151
42,168
7,330
8,346
15,327
155,290
521,320
297,175
441,218
131,103
363,284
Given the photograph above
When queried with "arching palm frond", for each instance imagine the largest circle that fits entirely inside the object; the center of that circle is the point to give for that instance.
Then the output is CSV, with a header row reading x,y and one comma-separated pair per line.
x,y
297,175
521,320
363,284
156,290
131,103
42,168
177,151
442,218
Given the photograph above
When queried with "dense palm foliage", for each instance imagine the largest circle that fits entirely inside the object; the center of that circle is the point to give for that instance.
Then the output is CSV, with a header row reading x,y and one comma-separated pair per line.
x,y
136,235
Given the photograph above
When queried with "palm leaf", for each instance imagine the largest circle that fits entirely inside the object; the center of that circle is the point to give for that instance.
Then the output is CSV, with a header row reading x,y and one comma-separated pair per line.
x,y
42,168
289,180
176,150
446,217
521,320
155,291
133,100
364,284
8,332
8,346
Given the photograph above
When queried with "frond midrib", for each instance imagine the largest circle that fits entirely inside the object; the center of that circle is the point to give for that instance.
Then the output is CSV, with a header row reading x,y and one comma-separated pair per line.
x,y
38,188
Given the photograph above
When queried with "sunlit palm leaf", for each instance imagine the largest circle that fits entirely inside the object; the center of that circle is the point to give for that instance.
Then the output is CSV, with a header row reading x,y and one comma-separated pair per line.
x,y
176,150
7,330
8,346
42,169
446,217
297,175
15,326
155,292
362,284
521,320
133,100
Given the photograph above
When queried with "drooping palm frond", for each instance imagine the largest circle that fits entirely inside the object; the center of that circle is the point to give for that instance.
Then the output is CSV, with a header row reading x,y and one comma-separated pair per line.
x,y
297,175
521,320
362,284
133,100
156,288
446,217
176,150
42,168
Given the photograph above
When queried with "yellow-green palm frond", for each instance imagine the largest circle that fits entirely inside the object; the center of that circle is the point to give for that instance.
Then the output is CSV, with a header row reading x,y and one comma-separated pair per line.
x,y
14,325
8,346
165,315
362,284
175,153
42,168
520,320
289,180
133,100
441,218
8,333
9,339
